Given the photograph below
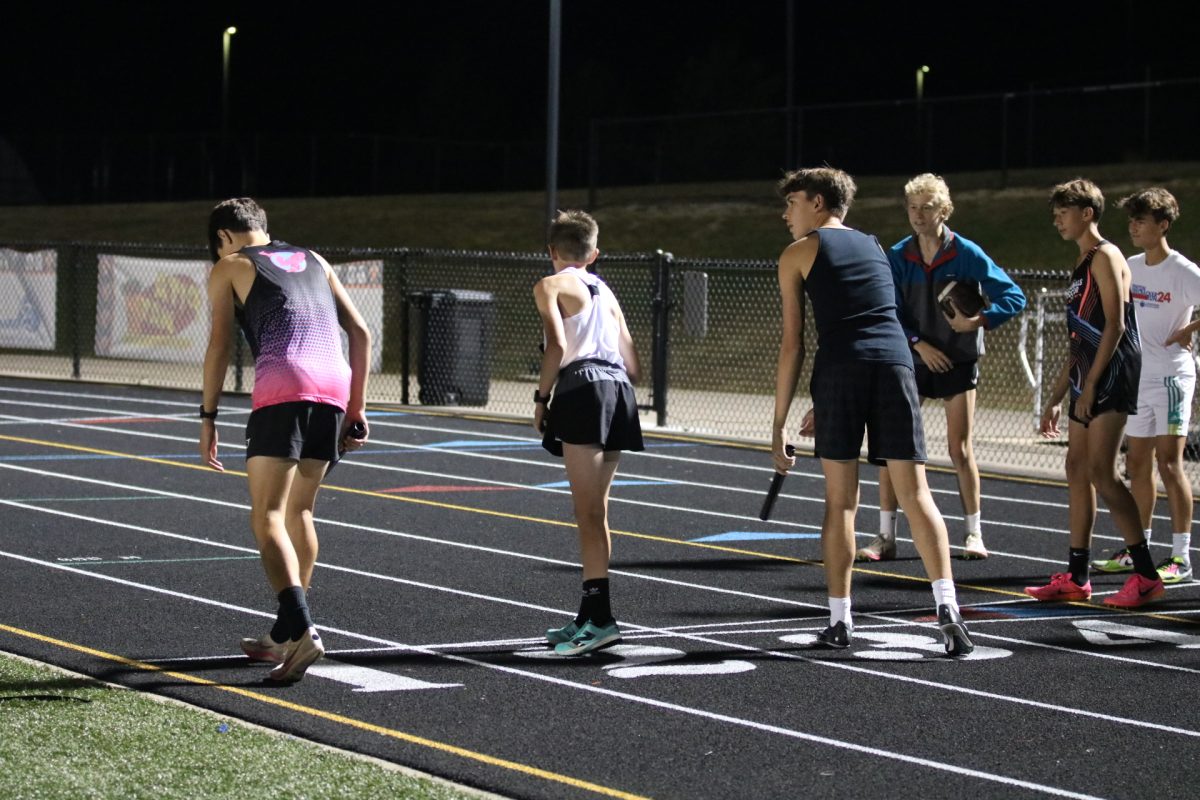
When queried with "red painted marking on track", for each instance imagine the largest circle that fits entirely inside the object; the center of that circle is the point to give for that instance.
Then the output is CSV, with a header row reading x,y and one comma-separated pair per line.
x,y
416,489
970,613
109,421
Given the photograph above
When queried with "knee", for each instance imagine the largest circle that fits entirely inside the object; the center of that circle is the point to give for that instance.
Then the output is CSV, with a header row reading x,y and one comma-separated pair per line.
x,y
591,516
1170,470
961,454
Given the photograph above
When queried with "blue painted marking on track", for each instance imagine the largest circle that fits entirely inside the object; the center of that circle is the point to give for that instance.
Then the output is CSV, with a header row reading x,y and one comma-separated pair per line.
x,y
1037,610
473,444
753,536
617,482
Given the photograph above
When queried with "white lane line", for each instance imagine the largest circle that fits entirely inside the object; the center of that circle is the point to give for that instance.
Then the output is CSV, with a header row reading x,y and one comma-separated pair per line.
x,y
481,548
648,701
553,465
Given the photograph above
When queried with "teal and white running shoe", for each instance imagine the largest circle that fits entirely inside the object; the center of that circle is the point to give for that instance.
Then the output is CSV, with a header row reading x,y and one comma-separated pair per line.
x,y
591,637
564,634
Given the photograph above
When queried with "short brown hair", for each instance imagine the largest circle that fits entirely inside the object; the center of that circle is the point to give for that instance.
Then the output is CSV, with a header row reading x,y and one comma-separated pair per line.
x,y
1153,202
573,235
1079,193
237,214
835,186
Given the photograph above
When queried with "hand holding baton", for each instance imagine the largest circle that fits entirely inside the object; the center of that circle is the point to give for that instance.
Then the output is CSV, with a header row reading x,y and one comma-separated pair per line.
x,y
773,492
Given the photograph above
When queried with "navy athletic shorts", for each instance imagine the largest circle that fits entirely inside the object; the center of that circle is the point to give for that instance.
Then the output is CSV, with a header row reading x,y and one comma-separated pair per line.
x,y
878,399
295,430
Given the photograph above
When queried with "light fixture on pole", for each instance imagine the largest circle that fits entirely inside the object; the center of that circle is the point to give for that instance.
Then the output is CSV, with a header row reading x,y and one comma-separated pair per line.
x,y
226,37
921,70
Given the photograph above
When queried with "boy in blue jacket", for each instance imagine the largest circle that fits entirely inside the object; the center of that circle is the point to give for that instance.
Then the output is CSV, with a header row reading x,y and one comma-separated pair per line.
x,y
946,348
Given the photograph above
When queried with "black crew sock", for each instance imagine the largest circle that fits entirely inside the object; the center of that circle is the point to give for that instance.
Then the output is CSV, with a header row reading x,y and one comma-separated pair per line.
x,y
280,631
1077,564
595,599
293,610
1143,564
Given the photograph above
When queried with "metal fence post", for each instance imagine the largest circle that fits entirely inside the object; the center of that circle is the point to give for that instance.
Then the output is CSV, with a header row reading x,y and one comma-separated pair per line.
x,y
593,163
76,294
662,327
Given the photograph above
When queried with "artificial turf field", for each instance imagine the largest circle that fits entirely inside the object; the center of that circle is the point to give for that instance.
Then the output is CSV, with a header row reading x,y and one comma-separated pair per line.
x,y
448,547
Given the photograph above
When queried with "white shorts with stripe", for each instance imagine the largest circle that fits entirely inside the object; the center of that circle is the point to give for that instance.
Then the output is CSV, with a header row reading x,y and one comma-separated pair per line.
x,y
1164,406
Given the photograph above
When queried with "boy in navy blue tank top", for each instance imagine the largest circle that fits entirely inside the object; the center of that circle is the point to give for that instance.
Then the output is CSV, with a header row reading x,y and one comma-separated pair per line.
x,y
862,381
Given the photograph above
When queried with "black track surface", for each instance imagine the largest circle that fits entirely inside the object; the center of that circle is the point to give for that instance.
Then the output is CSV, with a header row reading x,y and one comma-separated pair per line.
x,y
448,547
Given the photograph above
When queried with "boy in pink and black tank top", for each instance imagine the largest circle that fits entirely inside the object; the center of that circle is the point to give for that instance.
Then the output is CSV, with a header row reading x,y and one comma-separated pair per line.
x,y
308,404
1101,373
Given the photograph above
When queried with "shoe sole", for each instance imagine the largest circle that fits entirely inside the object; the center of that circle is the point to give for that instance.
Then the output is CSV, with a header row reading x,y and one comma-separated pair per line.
x,y
254,652
1141,601
592,646
291,672
1062,598
974,555
1111,570
958,643
861,556
831,645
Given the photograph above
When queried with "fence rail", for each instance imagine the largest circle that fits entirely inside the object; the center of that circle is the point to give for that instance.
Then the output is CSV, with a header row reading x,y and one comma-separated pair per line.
x,y
459,330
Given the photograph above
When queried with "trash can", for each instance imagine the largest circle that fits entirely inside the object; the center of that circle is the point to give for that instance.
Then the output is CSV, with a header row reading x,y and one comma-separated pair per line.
x,y
455,349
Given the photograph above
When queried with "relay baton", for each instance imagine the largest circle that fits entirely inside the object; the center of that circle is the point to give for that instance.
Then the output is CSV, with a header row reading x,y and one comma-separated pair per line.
x,y
773,492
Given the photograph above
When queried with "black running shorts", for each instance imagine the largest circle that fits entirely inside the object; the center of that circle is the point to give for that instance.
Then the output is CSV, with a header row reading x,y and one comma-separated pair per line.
x,y
294,431
944,385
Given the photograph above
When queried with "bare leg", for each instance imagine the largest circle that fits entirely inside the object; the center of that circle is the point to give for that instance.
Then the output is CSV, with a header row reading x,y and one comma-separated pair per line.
x,y
960,423
1179,490
1081,493
270,482
1104,435
924,519
1139,462
590,472
299,515
837,529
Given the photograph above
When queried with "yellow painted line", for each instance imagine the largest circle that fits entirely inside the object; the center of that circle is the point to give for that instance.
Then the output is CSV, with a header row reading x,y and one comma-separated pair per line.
x,y
329,716
558,523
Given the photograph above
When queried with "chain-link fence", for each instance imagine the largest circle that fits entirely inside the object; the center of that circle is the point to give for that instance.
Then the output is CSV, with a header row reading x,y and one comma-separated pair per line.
x,y
458,330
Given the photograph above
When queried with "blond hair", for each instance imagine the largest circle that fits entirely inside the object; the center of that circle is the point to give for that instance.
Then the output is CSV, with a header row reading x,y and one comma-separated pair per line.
x,y
935,185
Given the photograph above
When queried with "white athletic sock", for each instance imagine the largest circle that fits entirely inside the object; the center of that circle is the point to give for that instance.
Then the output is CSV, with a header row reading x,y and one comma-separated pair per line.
x,y
1180,544
973,522
887,524
839,611
1147,533
944,594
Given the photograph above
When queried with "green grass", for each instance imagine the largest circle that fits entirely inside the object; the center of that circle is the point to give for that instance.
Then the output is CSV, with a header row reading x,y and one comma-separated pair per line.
x,y
721,220
63,736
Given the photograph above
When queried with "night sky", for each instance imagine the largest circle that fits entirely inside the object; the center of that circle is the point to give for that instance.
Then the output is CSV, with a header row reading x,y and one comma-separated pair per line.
x,y
477,70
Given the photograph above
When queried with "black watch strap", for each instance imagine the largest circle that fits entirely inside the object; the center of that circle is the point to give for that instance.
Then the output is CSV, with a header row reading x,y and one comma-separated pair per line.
x,y
207,414
538,397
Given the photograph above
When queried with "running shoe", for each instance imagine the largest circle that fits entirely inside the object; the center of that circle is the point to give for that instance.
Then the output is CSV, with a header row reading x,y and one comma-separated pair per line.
x,y
881,548
1175,569
954,632
1119,561
973,546
1061,587
264,648
590,637
835,636
564,634
301,655
1137,591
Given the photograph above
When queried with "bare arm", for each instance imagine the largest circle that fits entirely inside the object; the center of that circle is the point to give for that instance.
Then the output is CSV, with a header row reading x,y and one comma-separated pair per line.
x,y
360,356
625,344
793,266
216,357
545,296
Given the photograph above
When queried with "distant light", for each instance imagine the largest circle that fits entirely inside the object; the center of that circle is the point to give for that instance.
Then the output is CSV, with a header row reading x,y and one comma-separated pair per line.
x,y
230,31
924,68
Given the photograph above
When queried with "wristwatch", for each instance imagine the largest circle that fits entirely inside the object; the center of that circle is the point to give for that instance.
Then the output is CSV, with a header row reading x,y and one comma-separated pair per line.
x,y
538,397
207,414
912,340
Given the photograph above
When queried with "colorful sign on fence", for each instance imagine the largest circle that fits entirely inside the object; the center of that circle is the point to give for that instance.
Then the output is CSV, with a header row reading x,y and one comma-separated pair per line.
x,y
364,283
152,309
28,293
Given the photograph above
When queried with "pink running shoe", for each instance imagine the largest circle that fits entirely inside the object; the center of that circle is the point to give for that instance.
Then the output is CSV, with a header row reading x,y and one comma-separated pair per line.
x,y
1137,591
1060,588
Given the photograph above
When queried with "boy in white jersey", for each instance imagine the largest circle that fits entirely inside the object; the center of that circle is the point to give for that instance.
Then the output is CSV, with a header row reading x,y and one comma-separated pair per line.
x,y
588,362
1166,287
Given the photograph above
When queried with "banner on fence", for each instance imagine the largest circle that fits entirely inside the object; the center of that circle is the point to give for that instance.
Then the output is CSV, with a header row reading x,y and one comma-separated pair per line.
x,y
152,309
28,293
364,283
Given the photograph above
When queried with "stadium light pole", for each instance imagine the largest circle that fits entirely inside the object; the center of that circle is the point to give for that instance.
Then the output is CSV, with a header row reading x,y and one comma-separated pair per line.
x,y
555,62
226,40
921,70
